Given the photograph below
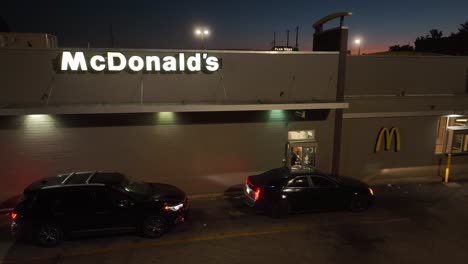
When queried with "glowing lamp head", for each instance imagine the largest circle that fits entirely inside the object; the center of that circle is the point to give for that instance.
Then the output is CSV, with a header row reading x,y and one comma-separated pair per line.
x,y
206,32
357,41
198,32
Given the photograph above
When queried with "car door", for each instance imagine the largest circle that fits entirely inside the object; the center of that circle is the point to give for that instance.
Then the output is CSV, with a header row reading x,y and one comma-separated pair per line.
x,y
114,209
75,209
325,192
297,192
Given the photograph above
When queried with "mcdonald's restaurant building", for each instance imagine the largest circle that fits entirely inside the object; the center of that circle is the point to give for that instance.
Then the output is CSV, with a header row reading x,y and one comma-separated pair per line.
x,y
204,120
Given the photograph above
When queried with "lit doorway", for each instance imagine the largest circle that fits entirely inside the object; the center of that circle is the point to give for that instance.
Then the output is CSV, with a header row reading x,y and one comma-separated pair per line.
x,y
301,148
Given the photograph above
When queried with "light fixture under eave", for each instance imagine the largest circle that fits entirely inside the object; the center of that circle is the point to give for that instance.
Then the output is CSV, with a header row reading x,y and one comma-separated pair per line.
x,y
277,115
166,117
39,125
39,120
38,117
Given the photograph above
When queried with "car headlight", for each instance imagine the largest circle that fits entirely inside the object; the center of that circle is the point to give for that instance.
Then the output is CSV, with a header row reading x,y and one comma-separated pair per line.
x,y
174,208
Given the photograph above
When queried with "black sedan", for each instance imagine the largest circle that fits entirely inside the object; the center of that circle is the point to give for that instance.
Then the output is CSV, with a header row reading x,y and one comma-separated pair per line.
x,y
88,202
284,190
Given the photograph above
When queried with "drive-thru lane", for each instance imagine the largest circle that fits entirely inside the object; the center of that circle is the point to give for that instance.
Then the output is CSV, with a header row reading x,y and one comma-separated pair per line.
x,y
408,223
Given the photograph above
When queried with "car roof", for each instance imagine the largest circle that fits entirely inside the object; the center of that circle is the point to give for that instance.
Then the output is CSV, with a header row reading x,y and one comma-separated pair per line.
x,y
298,170
87,178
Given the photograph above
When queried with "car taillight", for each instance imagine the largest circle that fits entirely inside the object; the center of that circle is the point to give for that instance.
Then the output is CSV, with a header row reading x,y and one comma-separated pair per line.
x,y
14,215
257,194
371,191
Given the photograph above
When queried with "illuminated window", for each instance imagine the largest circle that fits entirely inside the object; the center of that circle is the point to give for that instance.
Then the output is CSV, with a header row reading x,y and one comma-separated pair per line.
x,y
441,130
452,135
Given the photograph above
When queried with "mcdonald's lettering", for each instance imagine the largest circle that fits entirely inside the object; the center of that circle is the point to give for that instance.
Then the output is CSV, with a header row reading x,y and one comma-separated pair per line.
x,y
388,139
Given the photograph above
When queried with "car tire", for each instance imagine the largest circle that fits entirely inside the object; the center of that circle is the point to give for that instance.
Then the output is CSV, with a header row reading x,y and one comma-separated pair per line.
x,y
358,203
48,235
281,209
154,226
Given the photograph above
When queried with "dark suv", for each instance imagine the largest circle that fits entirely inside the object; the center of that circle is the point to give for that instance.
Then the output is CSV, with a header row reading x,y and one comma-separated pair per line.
x,y
88,202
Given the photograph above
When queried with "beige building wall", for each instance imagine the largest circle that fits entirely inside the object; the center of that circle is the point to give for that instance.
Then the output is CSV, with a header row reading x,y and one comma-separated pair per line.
x,y
392,75
244,77
200,158
411,94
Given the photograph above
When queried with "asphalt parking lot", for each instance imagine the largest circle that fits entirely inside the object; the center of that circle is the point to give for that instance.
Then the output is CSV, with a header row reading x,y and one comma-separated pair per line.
x,y
408,224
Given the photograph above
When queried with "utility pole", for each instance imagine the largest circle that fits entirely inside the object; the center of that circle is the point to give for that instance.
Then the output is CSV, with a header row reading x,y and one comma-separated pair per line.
x,y
274,39
296,47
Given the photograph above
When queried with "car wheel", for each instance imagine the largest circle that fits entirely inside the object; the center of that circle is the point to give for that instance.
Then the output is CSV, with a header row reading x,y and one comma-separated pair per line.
x,y
358,203
280,209
154,226
49,235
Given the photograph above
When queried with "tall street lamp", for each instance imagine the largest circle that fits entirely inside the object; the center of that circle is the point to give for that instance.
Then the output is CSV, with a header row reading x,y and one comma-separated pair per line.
x,y
358,42
202,33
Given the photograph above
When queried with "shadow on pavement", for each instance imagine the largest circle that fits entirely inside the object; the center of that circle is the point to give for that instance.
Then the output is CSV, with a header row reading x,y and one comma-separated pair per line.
x,y
233,196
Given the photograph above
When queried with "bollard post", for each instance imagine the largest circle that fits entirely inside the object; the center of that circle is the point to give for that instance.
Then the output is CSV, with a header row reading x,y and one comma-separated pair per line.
x,y
447,168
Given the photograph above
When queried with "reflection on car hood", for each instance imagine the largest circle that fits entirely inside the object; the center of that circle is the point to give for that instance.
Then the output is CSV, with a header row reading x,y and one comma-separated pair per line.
x,y
166,192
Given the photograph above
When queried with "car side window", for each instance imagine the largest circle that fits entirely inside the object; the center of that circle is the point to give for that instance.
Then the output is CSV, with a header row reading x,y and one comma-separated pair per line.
x,y
73,200
299,182
116,196
110,197
322,182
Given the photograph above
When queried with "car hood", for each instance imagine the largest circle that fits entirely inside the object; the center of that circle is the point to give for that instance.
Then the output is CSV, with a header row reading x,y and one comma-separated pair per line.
x,y
165,192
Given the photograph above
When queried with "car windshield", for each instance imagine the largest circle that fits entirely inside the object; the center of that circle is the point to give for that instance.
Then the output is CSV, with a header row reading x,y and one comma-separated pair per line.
x,y
134,187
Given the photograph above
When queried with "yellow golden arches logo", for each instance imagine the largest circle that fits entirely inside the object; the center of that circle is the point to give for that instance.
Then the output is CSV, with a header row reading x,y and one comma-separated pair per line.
x,y
388,139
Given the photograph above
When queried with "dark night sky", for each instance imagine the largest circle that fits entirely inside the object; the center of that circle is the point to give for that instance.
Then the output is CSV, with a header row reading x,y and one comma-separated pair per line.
x,y
237,24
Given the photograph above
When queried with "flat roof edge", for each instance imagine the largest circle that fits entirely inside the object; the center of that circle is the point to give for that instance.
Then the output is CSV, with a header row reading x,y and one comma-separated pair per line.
x,y
404,114
121,109
218,51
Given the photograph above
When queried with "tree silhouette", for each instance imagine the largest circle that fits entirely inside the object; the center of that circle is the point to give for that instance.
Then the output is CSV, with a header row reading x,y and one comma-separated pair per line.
x,y
434,42
401,48
463,29
435,34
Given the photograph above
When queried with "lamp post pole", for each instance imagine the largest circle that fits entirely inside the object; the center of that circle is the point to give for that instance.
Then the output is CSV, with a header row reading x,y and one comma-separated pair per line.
x,y
358,42
202,33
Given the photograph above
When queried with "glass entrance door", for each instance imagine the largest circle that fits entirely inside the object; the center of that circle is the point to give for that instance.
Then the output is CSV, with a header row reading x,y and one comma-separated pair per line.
x,y
302,153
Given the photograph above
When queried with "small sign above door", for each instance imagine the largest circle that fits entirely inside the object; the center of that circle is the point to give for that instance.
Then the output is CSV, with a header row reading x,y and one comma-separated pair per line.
x,y
302,135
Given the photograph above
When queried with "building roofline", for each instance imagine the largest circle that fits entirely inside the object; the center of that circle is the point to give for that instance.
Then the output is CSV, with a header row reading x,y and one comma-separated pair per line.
x,y
155,108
